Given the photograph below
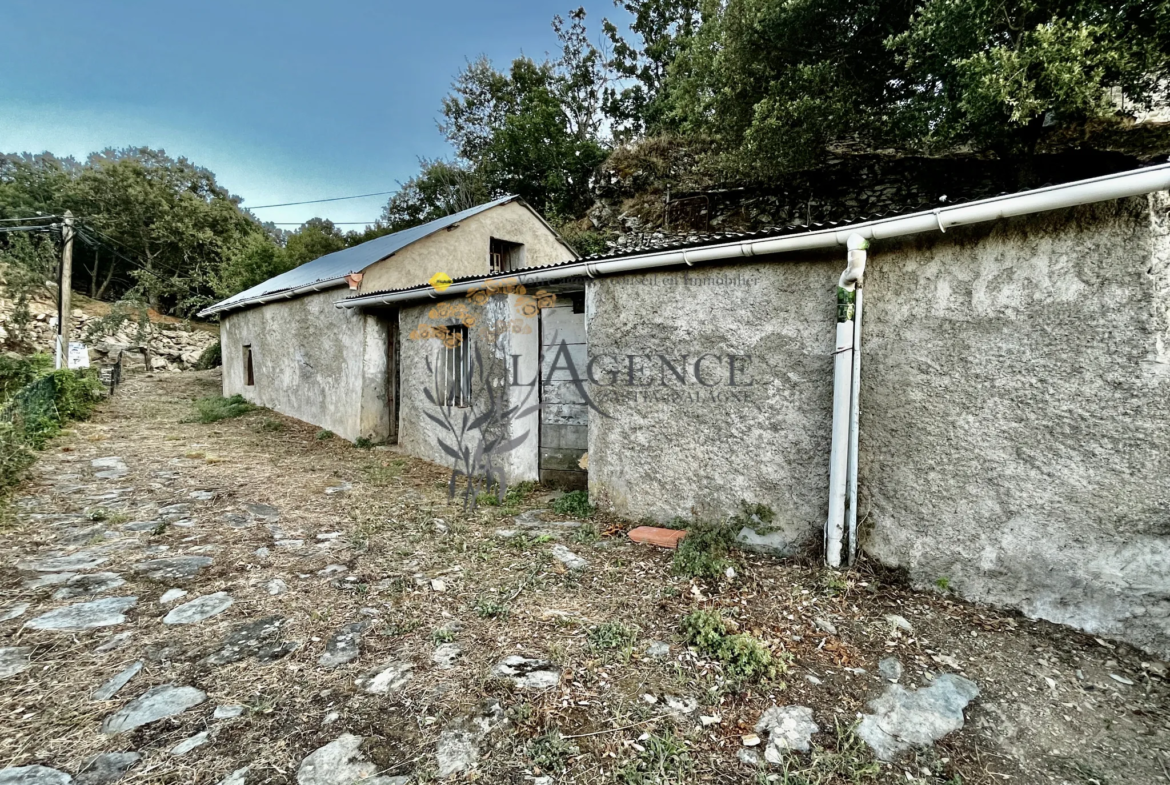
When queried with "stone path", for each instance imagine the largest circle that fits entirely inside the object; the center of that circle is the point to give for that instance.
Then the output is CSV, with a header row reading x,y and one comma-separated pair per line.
x,y
236,605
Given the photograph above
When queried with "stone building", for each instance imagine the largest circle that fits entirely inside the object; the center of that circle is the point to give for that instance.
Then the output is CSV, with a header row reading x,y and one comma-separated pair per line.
x,y
1014,380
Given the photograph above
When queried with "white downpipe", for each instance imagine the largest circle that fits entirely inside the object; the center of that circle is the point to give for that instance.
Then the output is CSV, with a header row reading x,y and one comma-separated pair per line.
x,y
842,462
857,258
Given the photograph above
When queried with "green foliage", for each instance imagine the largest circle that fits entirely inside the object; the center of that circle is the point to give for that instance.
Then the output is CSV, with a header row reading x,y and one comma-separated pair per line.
x,y
515,495
703,553
611,635
664,760
438,190
586,242
216,408
551,752
487,608
315,238
744,657
35,412
26,262
253,260
211,357
845,759
943,583
442,635
363,442
270,425
323,434
574,503
16,371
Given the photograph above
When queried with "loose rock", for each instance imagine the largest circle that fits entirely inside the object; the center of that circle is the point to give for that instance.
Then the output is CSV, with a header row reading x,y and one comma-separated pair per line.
x,y
82,560
85,615
14,660
249,640
199,609
186,745
156,704
341,762
916,718
445,655
789,728
344,646
34,775
227,712
890,669
13,611
528,673
115,642
390,677
276,586
237,777
111,687
106,768
263,511
170,595
173,568
568,558
87,585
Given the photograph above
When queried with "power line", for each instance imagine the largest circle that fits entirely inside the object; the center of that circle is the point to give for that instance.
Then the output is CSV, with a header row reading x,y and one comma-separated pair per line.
x,y
32,218
335,223
24,229
318,201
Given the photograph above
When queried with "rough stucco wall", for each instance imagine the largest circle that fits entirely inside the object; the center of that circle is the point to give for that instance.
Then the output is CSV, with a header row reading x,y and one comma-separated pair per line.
x,y
307,357
418,434
1015,420
683,449
463,251
1017,415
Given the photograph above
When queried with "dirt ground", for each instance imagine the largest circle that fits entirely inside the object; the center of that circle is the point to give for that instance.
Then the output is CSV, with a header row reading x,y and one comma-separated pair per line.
x,y
1055,705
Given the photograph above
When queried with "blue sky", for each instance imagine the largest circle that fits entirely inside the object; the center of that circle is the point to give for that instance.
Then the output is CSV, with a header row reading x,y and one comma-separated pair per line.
x,y
284,101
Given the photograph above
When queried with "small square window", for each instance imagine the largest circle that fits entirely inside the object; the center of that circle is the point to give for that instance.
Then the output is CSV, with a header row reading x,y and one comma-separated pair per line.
x,y
505,256
453,371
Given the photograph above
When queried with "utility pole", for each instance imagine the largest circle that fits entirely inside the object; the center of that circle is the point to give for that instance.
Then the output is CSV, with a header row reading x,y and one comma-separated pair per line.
x,y
65,290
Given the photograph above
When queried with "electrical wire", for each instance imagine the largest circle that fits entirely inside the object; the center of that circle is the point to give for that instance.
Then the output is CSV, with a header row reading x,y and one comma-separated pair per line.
x,y
318,201
335,223
7,229
33,218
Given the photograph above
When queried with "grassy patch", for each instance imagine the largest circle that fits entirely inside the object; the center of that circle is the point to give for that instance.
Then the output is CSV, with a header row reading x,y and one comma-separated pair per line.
x,y
324,434
270,425
383,472
550,753
744,657
574,503
218,408
845,760
611,635
487,608
102,514
703,553
513,497
363,443
661,760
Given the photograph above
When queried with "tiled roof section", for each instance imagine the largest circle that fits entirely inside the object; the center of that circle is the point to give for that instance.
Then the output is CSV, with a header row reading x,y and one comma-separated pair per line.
x,y
350,260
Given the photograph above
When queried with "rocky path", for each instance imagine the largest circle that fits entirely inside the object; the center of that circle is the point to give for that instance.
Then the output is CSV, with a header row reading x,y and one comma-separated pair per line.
x,y
244,603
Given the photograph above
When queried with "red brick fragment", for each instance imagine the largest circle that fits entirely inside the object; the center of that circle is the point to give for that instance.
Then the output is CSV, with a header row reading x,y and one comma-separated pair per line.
x,y
653,535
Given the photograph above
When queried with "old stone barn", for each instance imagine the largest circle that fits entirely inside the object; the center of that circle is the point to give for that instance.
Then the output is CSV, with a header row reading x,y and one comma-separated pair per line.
x,y
1011,377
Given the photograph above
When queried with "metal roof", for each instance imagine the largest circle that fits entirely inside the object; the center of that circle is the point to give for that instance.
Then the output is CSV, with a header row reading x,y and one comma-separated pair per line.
x,y
331,269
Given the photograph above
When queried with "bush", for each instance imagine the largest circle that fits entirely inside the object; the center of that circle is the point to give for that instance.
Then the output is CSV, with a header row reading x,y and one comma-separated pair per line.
x,y
744,657
212,357
703,552
574,503
611,635
322,435
17,371
219,408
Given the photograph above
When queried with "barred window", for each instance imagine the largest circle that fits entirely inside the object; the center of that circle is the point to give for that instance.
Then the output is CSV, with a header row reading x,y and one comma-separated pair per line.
x,y
453,371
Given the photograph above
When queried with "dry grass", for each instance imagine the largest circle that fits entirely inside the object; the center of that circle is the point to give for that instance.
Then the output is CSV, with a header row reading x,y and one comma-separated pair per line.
x,y
392,548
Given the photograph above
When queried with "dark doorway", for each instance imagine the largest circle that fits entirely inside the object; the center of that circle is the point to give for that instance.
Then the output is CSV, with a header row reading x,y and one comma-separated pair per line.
x,y
393,376
249,374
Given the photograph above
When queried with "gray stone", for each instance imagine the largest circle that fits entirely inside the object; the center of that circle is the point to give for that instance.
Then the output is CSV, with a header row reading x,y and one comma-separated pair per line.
x,y
88,585
173,568
899,621
262,552
186,745
115,642
111,687
658,650
904,718
237,777
341,762
824,625
263,511
528,673
13,611
390,677
680,705
890,669
199,609
86,615
174,511
106,768
82,560
275,587
459,743
171,595
775,543
142,526
49,579
33,775
237,521
156,704
568,558
248,640
290,544
344,487
445,655
14,660
227,712
344,646
333,570
201,496
789,728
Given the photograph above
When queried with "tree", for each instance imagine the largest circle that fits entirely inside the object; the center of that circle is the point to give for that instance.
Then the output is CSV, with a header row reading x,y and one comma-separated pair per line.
x,y
255,260
315,237
662,29
438,190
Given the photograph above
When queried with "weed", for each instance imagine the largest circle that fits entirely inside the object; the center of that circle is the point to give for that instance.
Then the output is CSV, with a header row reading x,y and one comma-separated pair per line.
x,y
662,760
195,456
112,517
513,497
383,472
611,635
323,434
442,635
97,514
393,629
587,534
703,552
160,528
943,583
270,424
363,442
574,503
844,760
487,608
211,357
551,752
744,657
833,583
218,408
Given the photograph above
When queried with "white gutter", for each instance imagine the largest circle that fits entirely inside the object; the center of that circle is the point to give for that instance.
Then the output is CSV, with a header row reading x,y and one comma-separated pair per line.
x,y
1097,189
283,294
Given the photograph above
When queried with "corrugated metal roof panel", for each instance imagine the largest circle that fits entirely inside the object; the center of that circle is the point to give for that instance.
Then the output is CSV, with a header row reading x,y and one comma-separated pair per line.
x,y
349,260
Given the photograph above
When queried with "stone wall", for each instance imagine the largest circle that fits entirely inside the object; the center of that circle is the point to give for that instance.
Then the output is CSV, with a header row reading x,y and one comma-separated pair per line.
x,y
159,346
1015,407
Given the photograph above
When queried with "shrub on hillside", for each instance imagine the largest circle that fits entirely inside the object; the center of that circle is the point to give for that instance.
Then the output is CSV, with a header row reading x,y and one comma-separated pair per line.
x,y
218,408
212,357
